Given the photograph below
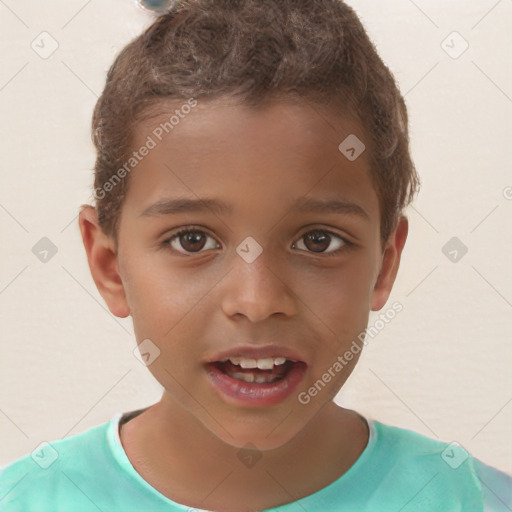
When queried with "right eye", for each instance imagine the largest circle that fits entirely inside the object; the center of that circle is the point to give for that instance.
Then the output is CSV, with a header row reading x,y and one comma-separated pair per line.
x,y
190,240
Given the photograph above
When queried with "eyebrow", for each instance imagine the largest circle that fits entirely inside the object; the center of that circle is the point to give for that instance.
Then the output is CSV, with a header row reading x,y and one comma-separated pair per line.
x,y
186,205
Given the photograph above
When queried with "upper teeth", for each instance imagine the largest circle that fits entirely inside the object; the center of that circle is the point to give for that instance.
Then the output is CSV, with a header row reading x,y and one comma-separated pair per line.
x,y
262,364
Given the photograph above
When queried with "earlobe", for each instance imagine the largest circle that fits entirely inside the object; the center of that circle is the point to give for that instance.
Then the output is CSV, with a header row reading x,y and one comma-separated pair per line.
x,y
390,263
102,258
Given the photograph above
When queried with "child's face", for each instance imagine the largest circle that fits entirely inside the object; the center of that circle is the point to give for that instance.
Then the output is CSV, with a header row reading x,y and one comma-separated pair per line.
x,y
196,305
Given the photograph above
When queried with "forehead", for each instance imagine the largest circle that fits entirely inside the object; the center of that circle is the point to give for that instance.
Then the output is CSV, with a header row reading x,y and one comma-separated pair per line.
x,y
298,127
282,148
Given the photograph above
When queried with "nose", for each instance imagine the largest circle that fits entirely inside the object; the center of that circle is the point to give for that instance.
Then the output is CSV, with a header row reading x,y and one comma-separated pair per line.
x,y
257,290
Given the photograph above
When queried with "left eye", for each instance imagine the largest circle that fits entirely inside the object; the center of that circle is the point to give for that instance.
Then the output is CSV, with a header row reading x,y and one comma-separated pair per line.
x,y
318,240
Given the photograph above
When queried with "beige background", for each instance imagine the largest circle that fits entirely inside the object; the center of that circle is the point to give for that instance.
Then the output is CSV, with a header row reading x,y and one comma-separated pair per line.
x,y
441,367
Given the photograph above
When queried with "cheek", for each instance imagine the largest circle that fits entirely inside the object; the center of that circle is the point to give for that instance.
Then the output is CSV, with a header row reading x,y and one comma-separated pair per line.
x,y
167,309
341,295
174,305
159,298
337,307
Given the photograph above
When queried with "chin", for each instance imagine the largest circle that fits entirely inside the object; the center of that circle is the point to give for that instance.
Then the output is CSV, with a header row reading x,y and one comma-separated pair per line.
x,y
269,434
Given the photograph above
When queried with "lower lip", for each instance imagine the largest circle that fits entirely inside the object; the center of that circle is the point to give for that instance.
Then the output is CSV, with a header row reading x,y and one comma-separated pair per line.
x,y
252,393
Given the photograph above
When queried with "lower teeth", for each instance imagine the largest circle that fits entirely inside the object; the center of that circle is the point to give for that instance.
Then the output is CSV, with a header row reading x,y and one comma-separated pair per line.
x,y
251,377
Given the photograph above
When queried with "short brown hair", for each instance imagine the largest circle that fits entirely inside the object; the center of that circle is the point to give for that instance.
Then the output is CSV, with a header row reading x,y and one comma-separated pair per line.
x,y
257,51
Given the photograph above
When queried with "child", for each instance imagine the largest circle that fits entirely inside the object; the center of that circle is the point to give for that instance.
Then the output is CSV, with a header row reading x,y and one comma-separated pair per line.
x,y
252,130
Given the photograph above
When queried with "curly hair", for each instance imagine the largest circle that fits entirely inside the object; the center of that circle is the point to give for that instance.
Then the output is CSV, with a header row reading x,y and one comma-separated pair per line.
x,y
257,51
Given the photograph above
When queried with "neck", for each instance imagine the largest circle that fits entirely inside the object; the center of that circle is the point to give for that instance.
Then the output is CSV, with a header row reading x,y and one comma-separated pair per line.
x,y
178,456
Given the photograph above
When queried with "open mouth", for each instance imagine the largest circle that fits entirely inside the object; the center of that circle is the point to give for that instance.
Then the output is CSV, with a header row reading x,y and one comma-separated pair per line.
x,y
255,382
261,371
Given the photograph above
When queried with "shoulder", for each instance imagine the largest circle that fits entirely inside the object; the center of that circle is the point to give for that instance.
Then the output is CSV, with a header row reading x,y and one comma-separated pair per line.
x,y
439,470
53,470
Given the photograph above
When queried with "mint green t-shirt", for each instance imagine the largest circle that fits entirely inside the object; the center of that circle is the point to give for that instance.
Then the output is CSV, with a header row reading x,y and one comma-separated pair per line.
x,y
398,471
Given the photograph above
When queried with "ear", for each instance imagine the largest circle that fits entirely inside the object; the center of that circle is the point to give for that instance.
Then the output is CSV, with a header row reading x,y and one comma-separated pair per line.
x,y
390,264
102,258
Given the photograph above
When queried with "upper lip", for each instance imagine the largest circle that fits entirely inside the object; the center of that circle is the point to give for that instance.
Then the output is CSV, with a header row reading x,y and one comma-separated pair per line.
x,y
261,352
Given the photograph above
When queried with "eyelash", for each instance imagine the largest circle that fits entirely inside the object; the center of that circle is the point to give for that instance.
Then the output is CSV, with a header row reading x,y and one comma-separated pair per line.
x,y
196,229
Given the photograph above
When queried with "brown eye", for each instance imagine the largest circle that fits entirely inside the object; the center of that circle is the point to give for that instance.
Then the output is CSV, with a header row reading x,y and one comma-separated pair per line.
x,y
191,241
318,241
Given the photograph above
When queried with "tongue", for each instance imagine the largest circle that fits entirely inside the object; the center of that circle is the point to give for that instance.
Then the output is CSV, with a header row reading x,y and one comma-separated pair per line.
x,y
277,370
